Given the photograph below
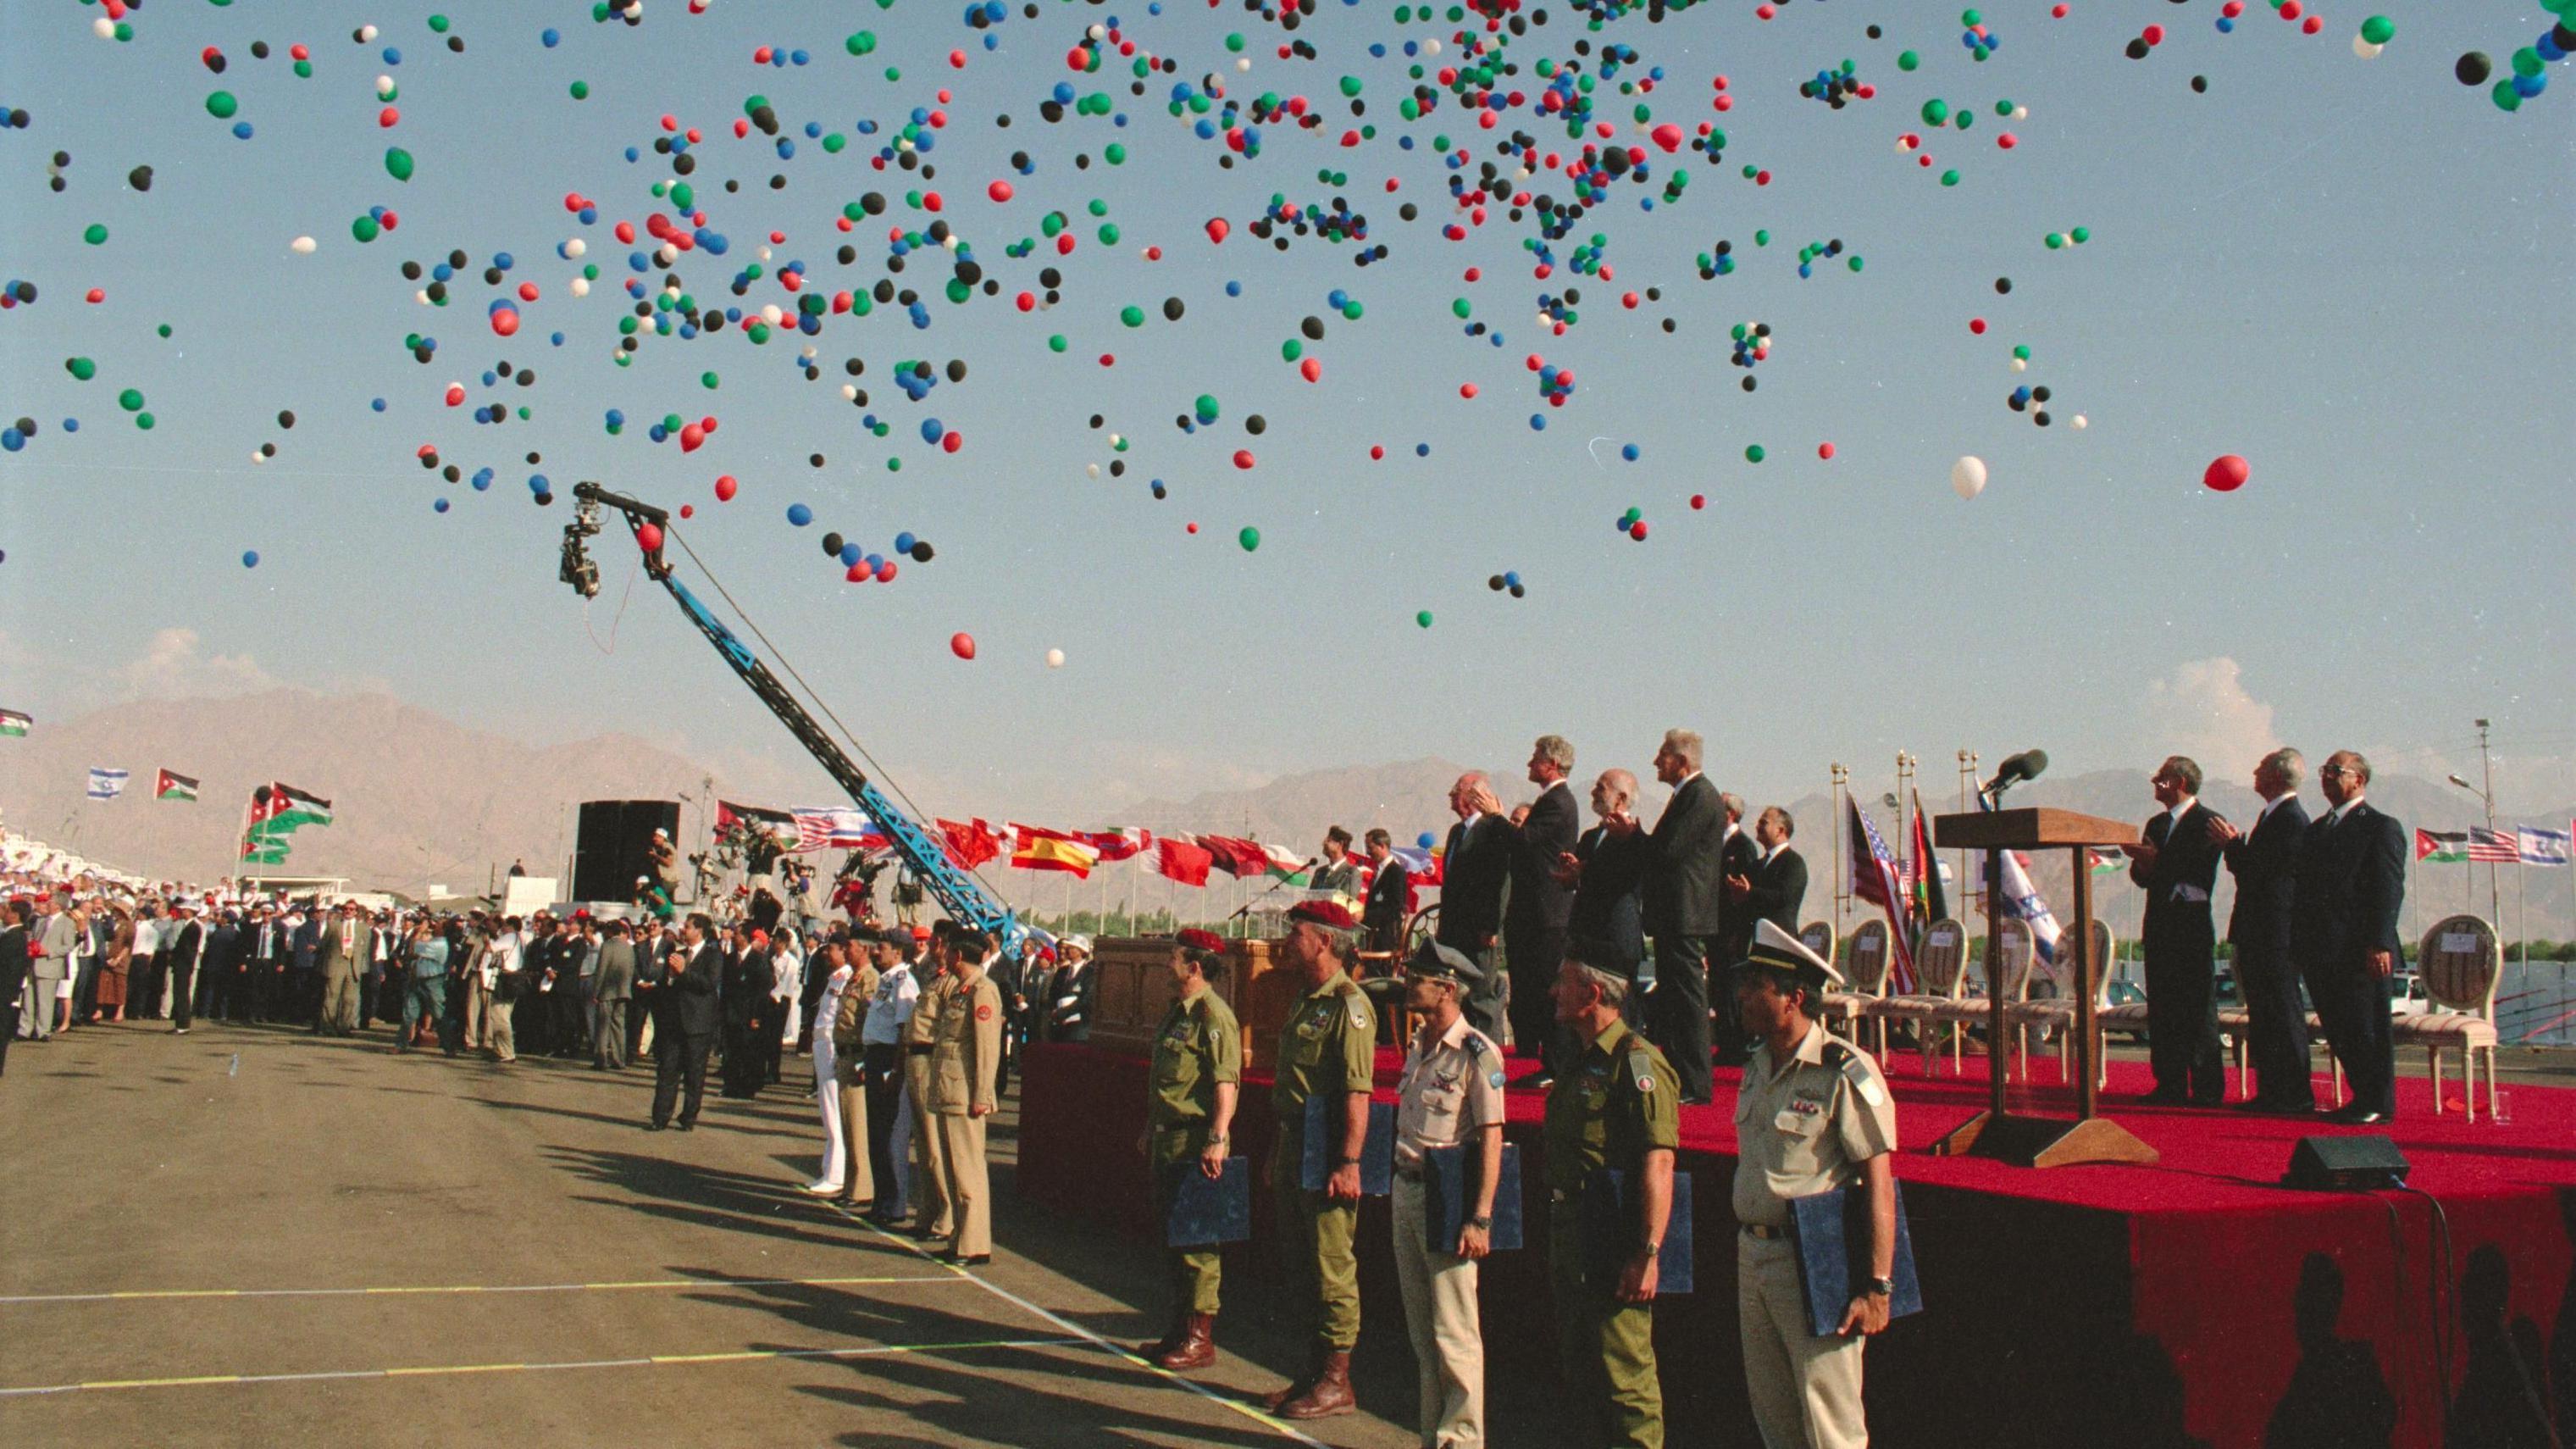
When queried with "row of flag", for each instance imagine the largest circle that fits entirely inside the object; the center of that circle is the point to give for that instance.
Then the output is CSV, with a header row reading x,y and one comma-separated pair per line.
x,y
108,783
276,810
2506,845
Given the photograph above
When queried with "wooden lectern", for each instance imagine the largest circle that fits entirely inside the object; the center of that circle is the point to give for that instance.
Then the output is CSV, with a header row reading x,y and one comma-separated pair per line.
x,y
1996,1132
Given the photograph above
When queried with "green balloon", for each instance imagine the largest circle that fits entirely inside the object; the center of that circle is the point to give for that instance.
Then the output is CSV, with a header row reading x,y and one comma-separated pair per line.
x,y
1459,308
143,421
861,43
2378,29
1423,619
1132,315
81,367
1206,407
398,163
1754,454
222,106
131,400
1250,538
1056,343
1908,60
581,90
365,229
95,233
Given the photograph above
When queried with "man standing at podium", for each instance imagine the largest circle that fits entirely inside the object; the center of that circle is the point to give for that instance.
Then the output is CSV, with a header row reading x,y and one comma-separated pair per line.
x,y
2176,868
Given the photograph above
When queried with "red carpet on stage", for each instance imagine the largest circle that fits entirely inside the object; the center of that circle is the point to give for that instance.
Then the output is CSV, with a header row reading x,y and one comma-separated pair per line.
x,y
2192,1302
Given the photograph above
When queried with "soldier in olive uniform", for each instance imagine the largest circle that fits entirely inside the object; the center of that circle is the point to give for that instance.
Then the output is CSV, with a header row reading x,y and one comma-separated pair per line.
x,y
1198,1062
1617,1107
1327,1050
965,1079
849,1070
931,1215
1813,1115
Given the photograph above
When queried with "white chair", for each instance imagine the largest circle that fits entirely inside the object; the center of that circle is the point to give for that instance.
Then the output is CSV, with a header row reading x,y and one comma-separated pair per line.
x,y
1866,972
1818,936
2107,1018
2459,961
1936,979
2014,952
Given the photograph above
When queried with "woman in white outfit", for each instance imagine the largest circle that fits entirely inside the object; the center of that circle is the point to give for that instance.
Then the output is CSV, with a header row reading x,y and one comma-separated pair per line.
x,y
827,1085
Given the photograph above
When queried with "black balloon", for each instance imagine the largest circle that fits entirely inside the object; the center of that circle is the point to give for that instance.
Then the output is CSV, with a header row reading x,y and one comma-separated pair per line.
x,y
832,545
140,178
2474,68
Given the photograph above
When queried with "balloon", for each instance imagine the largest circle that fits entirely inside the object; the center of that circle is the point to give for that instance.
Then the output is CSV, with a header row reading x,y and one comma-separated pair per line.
x,y
1250,538
250,558
725,487
1668,136
398,163
962,645
1424,841
1055,659
2378,29
648,537
2473,68
1000,191
2226,474
1968,477
1217,228
1423,619
799,515
302,246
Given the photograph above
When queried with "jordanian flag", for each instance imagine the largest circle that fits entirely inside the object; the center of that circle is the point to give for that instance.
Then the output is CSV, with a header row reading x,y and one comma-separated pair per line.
x,y
168,786
14,724
276,812
2441,845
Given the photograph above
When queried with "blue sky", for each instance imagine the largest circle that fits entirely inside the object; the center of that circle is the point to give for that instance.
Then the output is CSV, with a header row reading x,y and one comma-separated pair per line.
x,y
2352,273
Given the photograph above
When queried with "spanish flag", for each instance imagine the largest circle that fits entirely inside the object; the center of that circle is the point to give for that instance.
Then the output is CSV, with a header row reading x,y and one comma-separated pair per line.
x,y
1033,848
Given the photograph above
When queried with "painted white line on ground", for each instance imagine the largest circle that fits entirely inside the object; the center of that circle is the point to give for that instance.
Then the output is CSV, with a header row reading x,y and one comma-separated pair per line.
x,y
167,1294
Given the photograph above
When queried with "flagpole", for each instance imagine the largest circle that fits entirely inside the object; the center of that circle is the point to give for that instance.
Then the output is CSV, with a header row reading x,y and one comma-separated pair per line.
x,y
1967,780
1842,843
1904,840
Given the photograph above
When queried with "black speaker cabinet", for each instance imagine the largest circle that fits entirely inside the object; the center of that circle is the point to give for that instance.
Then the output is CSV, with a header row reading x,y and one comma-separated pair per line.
x,y
614,845
2345,1164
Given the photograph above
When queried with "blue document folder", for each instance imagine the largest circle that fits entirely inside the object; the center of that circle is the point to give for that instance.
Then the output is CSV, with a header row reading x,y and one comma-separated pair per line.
x,y
1450,1176
1610,1231
1832,1233
1377,1152
1208,1210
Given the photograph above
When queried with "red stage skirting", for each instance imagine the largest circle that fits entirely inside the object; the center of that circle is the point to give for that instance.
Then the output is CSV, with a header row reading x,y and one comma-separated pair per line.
x,y
2075,1306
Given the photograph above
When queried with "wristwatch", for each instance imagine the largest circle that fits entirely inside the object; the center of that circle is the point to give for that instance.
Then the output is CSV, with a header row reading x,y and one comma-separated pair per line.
x,y
1346,1162
1480,1224
1216,1139
1882,1287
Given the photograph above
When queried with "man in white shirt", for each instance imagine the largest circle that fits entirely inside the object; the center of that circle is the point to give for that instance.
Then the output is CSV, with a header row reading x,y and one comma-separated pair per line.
x,y
142,980
889,1125
503,978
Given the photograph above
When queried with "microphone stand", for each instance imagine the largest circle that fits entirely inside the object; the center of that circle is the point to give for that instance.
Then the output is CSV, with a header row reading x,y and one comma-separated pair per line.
x,y
1246,908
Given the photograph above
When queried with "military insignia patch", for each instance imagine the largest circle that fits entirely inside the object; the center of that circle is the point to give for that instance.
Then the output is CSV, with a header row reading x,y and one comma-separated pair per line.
x,y
983,1013
1359,1018
1495,1077
1645,1083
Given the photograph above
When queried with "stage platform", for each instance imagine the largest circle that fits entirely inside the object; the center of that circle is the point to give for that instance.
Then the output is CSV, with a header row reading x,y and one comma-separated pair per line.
x,y
2192,1302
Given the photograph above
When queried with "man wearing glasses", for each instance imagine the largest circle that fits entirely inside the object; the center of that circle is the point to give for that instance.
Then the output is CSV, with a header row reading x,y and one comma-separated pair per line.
x,y
2176,866
2352,882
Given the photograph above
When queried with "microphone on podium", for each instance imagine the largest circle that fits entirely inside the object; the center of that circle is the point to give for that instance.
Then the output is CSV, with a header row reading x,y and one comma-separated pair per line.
x,y
2028,765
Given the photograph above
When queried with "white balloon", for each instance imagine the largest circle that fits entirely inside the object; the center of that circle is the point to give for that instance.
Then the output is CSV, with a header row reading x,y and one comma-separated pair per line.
x,y
1055,659
366,34
1968,477
2021,113
2021,364
103,28
2080,424
1092,468
384,88
575,249
2364,48
302,246
849,392
581,286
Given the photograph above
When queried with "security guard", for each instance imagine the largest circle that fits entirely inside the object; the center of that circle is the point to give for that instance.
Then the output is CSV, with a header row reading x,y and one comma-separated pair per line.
x,y
1327,1050
1618,1107
1813,1115
1198,1064
965,1082
1451,1093
931,1215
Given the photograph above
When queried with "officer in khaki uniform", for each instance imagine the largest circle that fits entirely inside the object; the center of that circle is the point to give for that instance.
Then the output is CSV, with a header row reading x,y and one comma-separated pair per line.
x,y
1618,1106
849,1068
1813,1115
1328,1050
1451,1093
965,1072
931,1215
1198,1064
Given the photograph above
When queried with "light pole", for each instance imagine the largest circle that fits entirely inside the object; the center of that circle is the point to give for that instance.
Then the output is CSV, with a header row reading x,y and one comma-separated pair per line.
x,y
2486,799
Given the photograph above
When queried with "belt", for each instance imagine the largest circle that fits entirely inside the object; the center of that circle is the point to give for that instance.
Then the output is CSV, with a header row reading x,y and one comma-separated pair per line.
x,y
922,1050
1765,1232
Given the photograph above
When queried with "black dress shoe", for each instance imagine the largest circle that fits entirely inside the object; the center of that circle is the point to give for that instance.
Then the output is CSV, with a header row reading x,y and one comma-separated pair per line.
x,y
688,1126
2356,1115
656,1127
2163,1098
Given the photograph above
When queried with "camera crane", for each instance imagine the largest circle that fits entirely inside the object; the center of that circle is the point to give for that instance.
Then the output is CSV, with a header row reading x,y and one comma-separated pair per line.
x,y
963,895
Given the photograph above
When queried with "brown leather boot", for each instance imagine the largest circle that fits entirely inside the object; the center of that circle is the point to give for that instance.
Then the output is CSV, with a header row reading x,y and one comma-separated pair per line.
x,y
1329,1395
1196,1348
1296,1387
1153,1352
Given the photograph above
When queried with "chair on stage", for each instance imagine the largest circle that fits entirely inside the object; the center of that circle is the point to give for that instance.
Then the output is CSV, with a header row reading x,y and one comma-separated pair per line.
x,y
1867,973
2128,1016
2460,960
2015,950
1937,975
2057,1014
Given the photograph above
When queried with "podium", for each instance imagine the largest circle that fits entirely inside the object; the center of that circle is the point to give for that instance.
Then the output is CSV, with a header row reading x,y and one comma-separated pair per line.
x,y
1997,1132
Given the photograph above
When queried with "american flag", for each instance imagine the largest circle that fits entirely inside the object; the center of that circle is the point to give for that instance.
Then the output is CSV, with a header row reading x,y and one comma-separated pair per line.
x,y
1875,879
2501,846
836,827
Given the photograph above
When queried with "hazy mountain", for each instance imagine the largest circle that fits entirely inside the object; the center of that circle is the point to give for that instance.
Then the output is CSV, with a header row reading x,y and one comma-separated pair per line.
x,y
1407,797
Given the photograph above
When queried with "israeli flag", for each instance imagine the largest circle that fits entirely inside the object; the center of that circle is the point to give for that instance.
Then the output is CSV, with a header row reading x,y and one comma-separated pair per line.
x,y
2544,847
105,784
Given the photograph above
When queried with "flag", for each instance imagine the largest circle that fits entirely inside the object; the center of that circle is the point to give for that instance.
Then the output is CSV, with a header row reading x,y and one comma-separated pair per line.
x,y
1288,866
2499,846
836,827
1929,898
2022,899
1420,865
729,815
280,809
2441,845
1175,858
1874,879
2112,862
968,846
1125,843
2545,847
14,724
1236,857
104,783
167,786
1033,848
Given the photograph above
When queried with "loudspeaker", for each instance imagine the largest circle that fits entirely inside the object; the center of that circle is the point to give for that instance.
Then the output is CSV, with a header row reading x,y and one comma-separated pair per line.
x,y
614,845
2345,1164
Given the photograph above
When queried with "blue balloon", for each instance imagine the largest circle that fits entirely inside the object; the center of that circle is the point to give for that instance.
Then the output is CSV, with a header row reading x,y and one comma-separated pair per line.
x,y
903,542
12,439
378,404
71,425
1629,452
1511,580
850,554
250,558
931,430
552,37
799,515
438,507
1234,289
1423,841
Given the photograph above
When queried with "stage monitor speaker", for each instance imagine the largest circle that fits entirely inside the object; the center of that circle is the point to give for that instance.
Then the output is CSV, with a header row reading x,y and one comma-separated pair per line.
x,y
2345,1164
614,845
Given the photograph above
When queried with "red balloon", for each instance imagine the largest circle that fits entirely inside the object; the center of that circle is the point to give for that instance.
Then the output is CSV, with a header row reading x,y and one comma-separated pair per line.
x,y
1637,530
1825,451
648,536
962,645
2227,473
1243,457
1668,136
1312,369
1217,228
725,488
951,441
691,436
688,510
505,323
885,572
999,191
1699,500
860,573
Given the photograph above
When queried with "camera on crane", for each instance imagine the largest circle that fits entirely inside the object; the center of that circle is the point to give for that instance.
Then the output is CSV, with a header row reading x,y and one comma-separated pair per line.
x,y
578,568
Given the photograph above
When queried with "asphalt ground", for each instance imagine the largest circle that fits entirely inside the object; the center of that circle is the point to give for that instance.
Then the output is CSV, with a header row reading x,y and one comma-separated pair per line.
x,y
250,1235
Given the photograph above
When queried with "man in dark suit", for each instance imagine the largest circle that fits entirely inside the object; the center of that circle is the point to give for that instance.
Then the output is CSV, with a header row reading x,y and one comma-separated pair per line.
x,y
1737,857
2265,863
2176,866
1472,873
1390,894
686,1029
1534,920
1685,908
14,915
1608,874
1069,993
2352,881
1772,889
179,949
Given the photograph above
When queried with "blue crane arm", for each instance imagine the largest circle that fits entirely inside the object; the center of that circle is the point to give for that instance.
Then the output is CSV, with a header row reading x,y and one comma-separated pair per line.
x,y
959,893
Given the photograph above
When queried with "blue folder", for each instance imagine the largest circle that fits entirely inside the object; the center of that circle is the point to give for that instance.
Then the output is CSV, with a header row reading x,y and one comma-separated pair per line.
x,y
1449,1183
1830,1229
1206,1210
1377,1150
1610,1232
